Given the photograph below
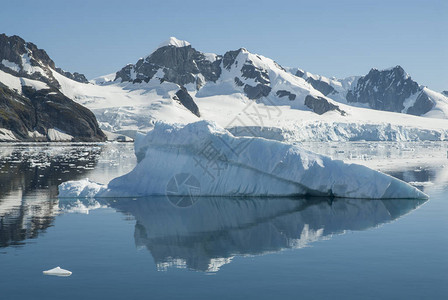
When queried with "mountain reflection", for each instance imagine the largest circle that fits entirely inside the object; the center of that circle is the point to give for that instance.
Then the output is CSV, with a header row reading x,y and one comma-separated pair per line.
x,y
29,176
209,233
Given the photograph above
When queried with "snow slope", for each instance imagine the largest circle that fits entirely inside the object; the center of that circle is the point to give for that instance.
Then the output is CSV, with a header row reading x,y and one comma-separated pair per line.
x,y
204,159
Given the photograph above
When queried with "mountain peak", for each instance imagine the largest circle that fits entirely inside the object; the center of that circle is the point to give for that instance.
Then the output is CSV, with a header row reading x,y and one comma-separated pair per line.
x,y
172,41
393,71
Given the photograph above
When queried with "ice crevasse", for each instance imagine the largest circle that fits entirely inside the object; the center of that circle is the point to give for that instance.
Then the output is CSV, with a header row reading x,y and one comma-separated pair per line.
x,y
203,159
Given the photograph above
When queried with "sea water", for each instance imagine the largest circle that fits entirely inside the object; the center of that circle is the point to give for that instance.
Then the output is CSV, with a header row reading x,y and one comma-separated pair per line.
x,y
219,248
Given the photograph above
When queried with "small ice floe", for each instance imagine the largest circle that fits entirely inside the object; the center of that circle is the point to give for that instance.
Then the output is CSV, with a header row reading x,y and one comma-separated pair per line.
x,y
57,272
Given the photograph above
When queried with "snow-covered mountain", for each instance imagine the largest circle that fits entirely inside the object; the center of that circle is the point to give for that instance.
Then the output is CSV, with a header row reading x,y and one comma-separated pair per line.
x,y
388,90
236,72
247,93
32,106
241,90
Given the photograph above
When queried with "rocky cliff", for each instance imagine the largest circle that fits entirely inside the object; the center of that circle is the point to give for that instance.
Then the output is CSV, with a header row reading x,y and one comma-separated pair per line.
x,y
32,108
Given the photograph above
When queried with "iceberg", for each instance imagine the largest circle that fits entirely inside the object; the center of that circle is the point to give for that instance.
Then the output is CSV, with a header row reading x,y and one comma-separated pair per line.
x,y
57,272
203,159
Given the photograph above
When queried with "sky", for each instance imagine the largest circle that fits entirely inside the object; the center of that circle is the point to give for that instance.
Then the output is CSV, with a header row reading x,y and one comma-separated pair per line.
x,y
332,38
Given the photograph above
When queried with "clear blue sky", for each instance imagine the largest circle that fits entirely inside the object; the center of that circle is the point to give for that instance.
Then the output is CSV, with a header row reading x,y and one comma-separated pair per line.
x,y
328,37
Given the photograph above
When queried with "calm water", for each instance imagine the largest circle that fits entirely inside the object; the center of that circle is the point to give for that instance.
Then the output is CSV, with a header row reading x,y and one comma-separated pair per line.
x,y
219,248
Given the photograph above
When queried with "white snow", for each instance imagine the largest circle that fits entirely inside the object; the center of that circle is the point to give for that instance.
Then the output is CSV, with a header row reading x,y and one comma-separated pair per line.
x,y
35,84
219,164
13,66
104,79
28,67
7,135
172,41
11,81
35,134
440,109
16,83
58,272
57,135
210,56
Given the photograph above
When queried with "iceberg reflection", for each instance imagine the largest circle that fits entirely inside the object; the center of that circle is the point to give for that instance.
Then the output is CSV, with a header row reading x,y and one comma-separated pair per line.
x,y
209,233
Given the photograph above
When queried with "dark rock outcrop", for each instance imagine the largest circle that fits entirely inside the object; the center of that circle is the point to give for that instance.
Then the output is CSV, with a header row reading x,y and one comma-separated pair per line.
x,y
317,84
422,105
39,111
186,100
258,74
321,86
445,93
229,58
179,65
321,105
30,114
256,92
73,76
387,90
300,73
17,51
238,81
283,93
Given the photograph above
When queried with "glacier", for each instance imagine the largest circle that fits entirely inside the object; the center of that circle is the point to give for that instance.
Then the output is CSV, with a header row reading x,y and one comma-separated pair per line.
x,y
204,159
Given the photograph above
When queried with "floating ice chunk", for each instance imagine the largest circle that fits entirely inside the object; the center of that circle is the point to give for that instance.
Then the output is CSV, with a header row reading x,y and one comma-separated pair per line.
x,y
58,272
203,159
80,189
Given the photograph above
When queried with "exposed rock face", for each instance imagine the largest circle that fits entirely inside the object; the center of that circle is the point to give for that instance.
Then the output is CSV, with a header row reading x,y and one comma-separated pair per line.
x,y
184,97
39,111
42,114
256,92
321,86
258,74
24,59
230,57
318,84
422,105
387,90
180,65
445,93
321,105
300,73
238,82
249,71
283,93
74,76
